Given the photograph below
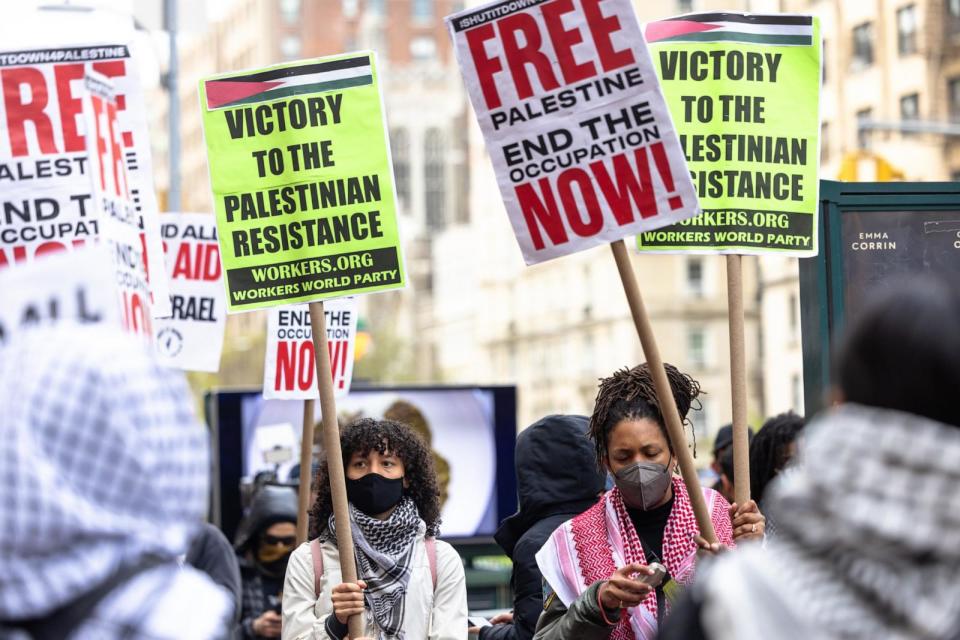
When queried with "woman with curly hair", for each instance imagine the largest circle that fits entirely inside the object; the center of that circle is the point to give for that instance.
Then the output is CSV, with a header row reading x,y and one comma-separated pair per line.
x,y
596,563
411,585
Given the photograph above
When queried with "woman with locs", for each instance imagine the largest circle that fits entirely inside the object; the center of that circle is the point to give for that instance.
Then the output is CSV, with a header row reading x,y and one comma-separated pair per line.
x,y
594,565
410,584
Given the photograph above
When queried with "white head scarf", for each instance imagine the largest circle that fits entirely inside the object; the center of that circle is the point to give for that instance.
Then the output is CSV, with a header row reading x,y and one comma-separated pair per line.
x,y
101,462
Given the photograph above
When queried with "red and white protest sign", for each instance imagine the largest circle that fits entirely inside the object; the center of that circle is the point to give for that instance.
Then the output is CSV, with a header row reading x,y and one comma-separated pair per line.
x,y
289,370
45,192
66,287
574,120
113,205
192,338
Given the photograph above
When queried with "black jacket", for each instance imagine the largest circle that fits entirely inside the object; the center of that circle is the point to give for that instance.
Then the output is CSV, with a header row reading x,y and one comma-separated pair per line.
x,y
557,478
211,553
271,505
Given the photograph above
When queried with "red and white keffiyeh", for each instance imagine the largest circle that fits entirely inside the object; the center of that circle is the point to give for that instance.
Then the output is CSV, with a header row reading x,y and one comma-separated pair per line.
x,y
591,546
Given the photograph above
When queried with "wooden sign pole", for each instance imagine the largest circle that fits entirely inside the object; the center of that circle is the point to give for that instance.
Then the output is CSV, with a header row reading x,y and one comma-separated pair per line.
x,y
662,386
331,445
738,380
306,470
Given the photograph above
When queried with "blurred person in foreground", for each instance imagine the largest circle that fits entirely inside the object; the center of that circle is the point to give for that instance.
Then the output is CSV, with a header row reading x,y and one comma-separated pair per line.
x,y
868,520
590,563
211,553
265,539
105,477
410,585
557,478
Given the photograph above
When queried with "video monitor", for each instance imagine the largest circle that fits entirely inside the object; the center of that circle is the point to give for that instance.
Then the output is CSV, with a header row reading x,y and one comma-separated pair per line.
x,y
471,431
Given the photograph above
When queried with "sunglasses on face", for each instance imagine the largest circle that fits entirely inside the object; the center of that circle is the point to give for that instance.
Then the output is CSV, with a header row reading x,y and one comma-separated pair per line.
x,y
274,540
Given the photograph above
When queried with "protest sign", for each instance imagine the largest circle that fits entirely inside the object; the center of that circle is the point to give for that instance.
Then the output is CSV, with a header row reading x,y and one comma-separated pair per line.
x,y
45,188
744,91
76,286
192,338
574,120
113,205
302,182
289,366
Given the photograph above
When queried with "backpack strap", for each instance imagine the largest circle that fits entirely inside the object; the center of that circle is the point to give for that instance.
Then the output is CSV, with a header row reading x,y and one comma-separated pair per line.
x,y
431,543
317,553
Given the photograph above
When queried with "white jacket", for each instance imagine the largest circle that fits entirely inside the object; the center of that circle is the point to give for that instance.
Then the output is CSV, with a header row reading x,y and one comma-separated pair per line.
x,y
433,615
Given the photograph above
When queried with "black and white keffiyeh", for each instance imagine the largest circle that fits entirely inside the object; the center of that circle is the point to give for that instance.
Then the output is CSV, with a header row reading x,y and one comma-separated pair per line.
x,y
101,462
868,542
384,550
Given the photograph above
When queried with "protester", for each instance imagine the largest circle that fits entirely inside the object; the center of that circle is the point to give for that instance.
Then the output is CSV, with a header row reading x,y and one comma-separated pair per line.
x,y
264,542
105,481
590,561
411,585
557,478
723,447
211,553
772,450
869,518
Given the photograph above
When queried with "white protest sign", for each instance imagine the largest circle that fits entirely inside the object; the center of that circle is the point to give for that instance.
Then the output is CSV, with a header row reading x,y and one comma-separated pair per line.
x,y
44,171
192,338
289,370
574,120
76,286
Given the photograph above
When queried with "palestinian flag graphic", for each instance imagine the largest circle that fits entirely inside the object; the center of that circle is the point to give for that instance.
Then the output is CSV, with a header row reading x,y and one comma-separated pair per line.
x,y
733,27
273,84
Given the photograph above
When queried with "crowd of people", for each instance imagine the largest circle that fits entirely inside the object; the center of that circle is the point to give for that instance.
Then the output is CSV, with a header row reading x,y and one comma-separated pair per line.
x,y
853,530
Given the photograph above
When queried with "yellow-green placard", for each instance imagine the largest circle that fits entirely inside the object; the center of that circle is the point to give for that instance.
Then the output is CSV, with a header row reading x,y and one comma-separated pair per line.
x,y
744,92
302,182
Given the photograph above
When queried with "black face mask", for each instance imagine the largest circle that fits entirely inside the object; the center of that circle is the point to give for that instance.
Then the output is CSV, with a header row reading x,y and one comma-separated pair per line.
x,y
373,494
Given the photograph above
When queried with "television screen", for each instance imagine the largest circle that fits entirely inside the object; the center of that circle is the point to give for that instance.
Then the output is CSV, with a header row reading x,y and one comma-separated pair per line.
x,y
471,431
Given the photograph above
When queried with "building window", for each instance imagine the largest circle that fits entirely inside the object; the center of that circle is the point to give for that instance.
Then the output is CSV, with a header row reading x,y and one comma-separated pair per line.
x,y
910,108
907,30
796,384
400,148
953,96
684,6
350,8
290,10
377,7
434,178
953,8
423,48
863,45
421,10
864,134
290,47
697,348
695,280
824,142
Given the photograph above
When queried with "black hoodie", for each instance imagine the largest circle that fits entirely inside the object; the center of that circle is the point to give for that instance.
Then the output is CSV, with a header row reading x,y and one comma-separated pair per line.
x,y
557,478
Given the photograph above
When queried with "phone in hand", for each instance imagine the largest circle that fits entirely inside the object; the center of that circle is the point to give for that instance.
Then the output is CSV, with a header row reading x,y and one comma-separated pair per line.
x,y
654,579
478,621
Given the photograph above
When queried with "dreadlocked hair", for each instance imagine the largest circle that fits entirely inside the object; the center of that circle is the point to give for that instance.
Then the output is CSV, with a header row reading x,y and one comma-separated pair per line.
x,y
366,435
770,450
629,394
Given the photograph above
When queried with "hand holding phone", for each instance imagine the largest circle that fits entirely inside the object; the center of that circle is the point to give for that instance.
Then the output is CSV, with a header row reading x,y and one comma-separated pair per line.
x,y
653,579
478,621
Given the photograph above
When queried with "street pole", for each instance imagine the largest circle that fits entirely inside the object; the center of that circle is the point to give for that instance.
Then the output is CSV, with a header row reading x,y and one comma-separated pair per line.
x,y
173,94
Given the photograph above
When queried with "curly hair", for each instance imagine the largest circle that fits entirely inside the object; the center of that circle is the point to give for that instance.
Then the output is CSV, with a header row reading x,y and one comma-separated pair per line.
x,y
769,451
629,394
366,435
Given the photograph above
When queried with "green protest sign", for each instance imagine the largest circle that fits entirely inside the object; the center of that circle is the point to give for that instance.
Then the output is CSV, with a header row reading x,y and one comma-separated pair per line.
x,y
744,92
302,183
